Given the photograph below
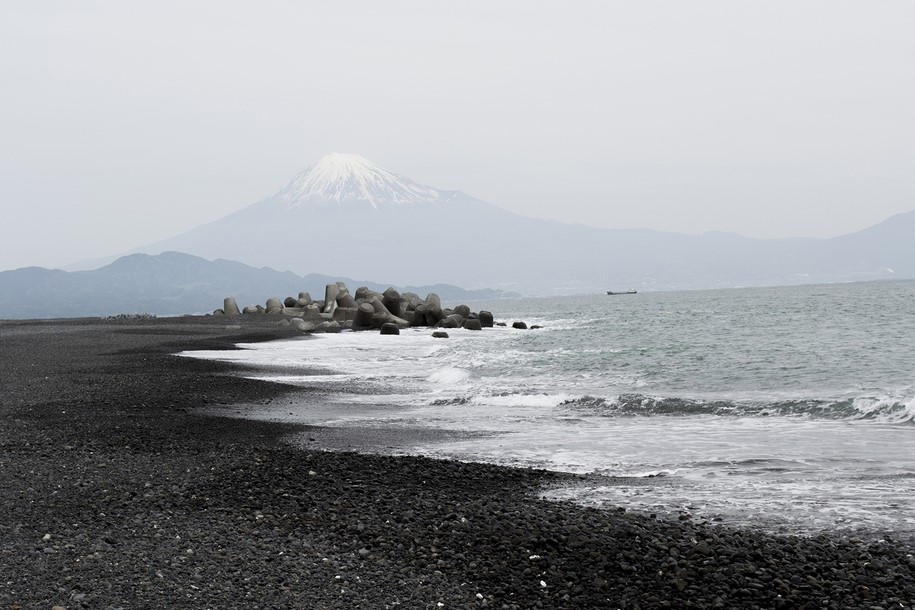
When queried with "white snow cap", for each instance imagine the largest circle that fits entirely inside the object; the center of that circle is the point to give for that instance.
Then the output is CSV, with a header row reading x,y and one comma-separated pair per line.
x,y
341,177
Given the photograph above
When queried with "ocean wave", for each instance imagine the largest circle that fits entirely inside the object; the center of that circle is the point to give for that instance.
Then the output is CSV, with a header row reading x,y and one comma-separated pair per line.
x,y
887,409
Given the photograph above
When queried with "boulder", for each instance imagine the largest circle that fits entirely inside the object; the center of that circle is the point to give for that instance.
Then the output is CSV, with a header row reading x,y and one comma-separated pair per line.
x,y
486,320
472,324
389,328
452,321
440,334
290,302
535,326
364,315
330,297
304,299
302,325
419,316
342,314
383,312
312,312
218,312
328,326
462,310
391,300
412,300
345,299
230,307
434,311
363,293
520,325
274,305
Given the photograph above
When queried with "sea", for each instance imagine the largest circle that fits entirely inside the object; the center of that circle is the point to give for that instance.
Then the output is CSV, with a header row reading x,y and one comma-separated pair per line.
x,y
790,409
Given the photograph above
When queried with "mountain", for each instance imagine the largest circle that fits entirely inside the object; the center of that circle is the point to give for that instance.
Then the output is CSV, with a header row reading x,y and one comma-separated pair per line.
x,y
346,216
170,283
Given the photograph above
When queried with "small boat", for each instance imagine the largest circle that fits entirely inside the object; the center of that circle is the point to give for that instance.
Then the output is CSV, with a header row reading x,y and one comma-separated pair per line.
x,y
623,292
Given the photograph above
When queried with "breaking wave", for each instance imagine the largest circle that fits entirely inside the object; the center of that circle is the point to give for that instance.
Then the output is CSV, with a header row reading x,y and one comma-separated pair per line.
x,y
886,409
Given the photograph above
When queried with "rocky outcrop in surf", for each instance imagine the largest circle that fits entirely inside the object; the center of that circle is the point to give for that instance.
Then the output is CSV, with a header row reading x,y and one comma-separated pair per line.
x,y
366,309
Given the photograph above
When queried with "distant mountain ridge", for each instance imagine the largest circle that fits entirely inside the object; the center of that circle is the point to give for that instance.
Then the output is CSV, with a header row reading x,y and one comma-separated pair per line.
x,y
346,216
170,283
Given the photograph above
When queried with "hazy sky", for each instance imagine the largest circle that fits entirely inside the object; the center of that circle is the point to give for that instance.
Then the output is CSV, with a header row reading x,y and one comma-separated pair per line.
x,y
122,123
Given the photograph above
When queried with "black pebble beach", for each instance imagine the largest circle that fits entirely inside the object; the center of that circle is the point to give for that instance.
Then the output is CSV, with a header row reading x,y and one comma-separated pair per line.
x,y
115,493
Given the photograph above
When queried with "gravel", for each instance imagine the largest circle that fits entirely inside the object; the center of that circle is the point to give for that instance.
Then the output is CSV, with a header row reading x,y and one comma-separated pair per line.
x,y
116,492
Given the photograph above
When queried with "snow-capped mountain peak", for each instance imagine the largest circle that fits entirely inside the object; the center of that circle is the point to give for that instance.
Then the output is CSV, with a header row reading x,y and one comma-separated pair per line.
x,y
343,178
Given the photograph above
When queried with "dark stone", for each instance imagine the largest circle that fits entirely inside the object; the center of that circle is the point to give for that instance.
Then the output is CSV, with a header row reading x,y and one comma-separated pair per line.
x,y
486,320
342,314
274,305
440,334
472,325
328,326
501,324
230,307
345,299
452,321
389,328
291,302
535,326
434,311
419,316
520,325
330,298
462,310
364,315
391,299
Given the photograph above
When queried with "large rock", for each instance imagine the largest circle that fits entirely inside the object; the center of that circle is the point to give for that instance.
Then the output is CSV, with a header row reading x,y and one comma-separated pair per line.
x,y
342,314
412,300
383,312
290,302
486,319
304,299
472,324
391,299
302,325
419,315
389,328
364,316
328,326
345,299
274,305
230,306
364,294
330,297
462,310
218,312
312,313
452,321
520,325
434,311
440,334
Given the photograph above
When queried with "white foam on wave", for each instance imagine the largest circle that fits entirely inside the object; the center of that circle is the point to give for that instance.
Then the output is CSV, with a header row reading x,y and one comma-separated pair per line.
x,y
449,375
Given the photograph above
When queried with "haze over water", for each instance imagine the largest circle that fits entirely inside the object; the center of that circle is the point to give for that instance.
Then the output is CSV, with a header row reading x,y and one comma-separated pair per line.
x,y
791,408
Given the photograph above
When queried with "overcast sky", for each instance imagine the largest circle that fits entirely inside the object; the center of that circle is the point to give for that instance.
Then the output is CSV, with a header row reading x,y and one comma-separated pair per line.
x,y
122,123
